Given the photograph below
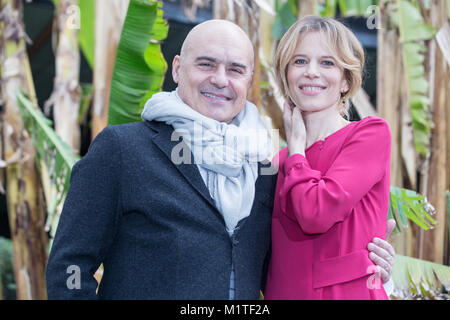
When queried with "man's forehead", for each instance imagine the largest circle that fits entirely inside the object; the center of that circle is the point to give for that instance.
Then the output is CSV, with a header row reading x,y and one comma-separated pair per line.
x,y
221,54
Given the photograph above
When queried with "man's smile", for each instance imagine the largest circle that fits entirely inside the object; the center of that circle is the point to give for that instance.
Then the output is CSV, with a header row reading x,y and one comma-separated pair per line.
x,y
215,96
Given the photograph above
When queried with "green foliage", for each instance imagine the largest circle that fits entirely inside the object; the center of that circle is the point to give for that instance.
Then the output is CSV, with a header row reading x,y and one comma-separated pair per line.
x,y
405,204
420,279
86,35
87,92
57,156
354,8
413,32
448,215
139,66
6,270
287,13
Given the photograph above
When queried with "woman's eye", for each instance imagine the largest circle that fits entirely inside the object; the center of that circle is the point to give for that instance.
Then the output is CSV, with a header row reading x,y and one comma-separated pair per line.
x,y
300,61
328,63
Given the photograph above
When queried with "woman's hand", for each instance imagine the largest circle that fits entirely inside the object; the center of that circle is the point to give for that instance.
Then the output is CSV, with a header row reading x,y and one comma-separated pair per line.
x,y
382,253
295,128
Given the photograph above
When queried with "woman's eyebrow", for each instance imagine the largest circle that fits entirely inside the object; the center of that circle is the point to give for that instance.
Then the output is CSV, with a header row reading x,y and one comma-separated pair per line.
x,y
304,55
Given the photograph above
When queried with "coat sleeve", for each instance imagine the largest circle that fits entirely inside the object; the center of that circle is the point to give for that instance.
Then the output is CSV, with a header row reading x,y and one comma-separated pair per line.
x,y
319,200
88,221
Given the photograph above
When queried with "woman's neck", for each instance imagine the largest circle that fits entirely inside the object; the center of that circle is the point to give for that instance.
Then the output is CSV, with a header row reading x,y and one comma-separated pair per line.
x,y
321,124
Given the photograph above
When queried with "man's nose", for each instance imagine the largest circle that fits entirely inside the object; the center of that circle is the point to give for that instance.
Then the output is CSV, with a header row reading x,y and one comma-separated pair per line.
x,y
220,77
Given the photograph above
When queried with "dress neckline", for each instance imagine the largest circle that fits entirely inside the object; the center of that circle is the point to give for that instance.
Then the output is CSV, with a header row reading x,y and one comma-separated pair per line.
x,y
331,135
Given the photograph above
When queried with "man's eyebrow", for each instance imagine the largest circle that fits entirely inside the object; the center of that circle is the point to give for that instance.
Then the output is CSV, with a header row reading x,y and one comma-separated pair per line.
x,y
206,58
234,64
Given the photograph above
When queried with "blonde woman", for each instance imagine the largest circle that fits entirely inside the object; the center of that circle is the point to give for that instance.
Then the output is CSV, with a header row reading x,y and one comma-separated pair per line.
x,y
332,192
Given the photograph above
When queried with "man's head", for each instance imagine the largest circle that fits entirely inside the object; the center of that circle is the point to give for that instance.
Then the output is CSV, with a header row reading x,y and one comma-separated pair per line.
x,y
214,69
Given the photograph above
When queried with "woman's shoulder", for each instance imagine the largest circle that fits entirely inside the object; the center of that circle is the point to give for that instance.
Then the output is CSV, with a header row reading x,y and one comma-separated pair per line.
x,y
371,126
372,123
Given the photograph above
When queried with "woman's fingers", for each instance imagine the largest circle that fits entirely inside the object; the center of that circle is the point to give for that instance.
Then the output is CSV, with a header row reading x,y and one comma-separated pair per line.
x,y
383,255
389,228
287,118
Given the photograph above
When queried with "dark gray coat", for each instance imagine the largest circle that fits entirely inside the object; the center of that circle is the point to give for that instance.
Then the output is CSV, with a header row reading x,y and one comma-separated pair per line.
x,y
153,225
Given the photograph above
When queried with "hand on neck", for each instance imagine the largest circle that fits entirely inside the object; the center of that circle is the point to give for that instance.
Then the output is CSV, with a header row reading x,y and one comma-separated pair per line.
x,y
321,124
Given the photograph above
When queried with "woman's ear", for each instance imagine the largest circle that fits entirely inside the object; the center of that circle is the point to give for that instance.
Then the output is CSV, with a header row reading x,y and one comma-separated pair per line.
x,y
291,103
344,86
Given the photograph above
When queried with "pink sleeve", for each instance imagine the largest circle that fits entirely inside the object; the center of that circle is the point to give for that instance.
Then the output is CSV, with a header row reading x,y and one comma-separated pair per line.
x,y
317,200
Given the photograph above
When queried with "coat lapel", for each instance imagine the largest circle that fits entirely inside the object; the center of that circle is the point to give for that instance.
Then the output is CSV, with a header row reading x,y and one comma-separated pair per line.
x,y
162,139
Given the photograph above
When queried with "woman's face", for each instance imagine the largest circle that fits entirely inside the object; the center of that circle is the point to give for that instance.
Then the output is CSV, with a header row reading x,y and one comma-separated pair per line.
x,y
314,78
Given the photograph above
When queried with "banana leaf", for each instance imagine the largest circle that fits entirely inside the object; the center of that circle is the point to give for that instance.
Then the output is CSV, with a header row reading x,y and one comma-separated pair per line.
x,y
86,35
139,67
354,8
407,204
419,279
413,31
53,153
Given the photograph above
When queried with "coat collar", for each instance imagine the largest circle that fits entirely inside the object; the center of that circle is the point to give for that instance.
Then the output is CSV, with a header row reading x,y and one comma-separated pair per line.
x,y
162,138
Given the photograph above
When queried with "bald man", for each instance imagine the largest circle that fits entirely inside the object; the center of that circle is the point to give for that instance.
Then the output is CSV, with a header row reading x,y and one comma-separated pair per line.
x,y
173,206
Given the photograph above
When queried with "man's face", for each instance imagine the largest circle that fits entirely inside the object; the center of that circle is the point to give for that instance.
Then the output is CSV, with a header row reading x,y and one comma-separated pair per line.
x,y
214,75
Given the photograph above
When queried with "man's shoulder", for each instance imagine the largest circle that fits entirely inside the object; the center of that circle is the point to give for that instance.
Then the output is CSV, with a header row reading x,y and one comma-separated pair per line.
x,y
137,129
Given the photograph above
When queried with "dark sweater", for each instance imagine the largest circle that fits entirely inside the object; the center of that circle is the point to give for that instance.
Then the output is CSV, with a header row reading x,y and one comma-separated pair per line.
x,y
153,225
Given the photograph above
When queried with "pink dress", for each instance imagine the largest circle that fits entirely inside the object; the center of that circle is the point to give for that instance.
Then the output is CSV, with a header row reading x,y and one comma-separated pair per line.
x,y
328,207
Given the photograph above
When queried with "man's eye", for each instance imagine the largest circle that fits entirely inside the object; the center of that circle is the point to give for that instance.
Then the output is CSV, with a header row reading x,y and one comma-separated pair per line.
x,y
235,70
204,64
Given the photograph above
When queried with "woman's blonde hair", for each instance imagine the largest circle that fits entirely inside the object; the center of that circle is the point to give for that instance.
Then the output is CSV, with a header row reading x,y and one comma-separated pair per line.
x,y
341,41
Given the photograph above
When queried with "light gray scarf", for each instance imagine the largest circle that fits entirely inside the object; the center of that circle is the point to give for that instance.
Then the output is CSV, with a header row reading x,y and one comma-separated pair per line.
x,y
227,155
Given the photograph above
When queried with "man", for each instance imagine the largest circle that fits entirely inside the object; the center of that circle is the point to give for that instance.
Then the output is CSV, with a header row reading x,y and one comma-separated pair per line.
x,y
166,229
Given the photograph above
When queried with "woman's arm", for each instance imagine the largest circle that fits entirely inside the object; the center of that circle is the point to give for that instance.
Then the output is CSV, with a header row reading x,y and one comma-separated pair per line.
x,y
318,200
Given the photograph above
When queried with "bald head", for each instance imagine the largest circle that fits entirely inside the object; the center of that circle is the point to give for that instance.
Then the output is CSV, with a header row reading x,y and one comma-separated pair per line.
x,y
214,69
217,30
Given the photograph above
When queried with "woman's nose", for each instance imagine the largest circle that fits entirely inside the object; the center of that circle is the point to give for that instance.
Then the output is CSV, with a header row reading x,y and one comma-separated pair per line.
x,y
311,70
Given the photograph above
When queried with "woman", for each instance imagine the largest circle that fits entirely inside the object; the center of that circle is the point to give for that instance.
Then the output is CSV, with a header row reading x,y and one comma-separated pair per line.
x,y
332,193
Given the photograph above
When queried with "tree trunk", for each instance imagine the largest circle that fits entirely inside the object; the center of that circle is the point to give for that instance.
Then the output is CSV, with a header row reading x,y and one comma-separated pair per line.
x,y
109,19
66,93
307,7
393,105
24,196
432,244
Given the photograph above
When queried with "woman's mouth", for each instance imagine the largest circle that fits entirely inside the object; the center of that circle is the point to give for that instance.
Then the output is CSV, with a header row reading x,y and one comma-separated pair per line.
x,y
311,90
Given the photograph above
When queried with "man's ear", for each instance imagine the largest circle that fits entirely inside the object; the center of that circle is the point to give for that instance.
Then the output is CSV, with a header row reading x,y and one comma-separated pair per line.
x,y
176,68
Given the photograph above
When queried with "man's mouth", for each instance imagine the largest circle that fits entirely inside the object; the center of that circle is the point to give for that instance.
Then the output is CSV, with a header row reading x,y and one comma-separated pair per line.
x,y
215,96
